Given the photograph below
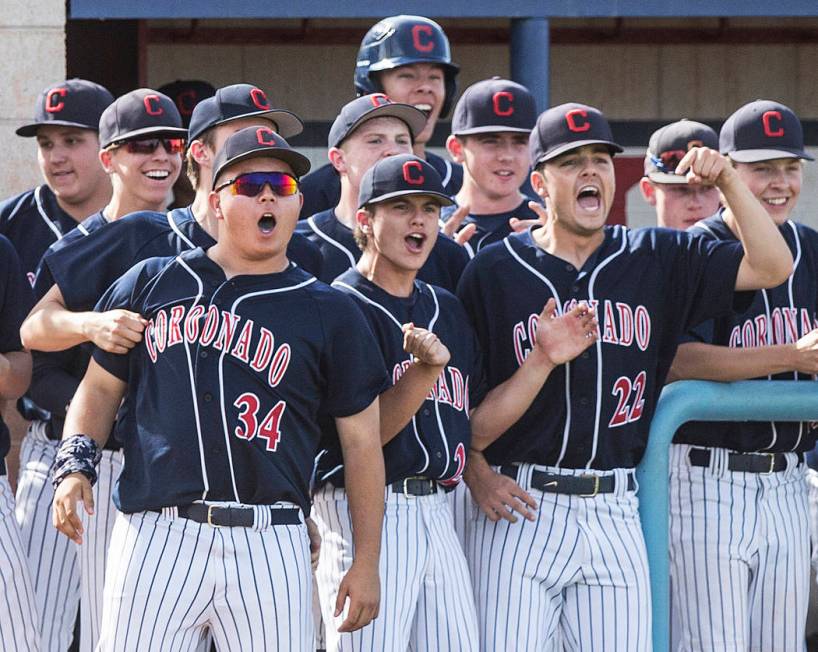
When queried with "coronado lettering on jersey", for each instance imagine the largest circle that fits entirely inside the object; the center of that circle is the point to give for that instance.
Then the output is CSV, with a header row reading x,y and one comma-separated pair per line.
x,y
220,330
783,326
619,323
452,390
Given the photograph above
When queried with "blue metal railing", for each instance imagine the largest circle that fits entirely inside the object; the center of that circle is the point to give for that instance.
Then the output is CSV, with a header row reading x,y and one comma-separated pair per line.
x,y
699,400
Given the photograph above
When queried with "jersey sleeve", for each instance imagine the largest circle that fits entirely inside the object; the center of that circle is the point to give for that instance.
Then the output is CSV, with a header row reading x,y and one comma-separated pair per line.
x,y
355,373
703,283
15,297
123,294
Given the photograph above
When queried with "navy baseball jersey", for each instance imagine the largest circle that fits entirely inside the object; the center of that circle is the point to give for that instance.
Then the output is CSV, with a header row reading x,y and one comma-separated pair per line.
x,y
322,187
490,228
646,287
32,221
15,302
434,443
86,268
226,386
780,315
337,243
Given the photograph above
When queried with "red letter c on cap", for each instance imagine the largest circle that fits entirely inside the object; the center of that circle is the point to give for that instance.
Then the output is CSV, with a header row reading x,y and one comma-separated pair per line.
x,y
54,100
153,105
503,103
767,120
413,173
379,99
259,99
425,45
265,136
575,124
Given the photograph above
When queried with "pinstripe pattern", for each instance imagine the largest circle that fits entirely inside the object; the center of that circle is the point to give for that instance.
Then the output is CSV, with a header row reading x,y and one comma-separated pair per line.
x,y
576,578
173,578
51,556
463,512
19,629
426,601
93,553
812,484
740,553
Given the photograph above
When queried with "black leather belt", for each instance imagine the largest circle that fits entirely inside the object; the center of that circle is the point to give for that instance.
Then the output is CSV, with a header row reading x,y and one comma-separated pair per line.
x,y
415,487
574,485
218,516
747,462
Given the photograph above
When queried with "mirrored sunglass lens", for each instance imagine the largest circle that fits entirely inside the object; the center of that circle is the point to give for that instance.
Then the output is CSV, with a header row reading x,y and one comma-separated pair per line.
x,y
251,184
671,160
149,145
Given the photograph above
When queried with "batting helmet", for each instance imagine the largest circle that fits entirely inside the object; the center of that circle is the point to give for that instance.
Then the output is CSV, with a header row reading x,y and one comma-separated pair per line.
x,y
399,41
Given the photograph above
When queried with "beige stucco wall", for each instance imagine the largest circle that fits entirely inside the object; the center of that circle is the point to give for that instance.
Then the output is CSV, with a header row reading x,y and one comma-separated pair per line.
x,y
32,55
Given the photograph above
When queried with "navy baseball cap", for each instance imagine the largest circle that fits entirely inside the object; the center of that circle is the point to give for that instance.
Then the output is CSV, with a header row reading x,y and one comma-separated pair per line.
x,y
186,94
71,103
395,176
143,112
494,105
255,142
762,130
669,144
367,107
241,101
566,127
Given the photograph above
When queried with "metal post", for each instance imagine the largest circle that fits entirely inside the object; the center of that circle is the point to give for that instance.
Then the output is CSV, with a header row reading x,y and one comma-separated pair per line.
x,y
698,400
530,57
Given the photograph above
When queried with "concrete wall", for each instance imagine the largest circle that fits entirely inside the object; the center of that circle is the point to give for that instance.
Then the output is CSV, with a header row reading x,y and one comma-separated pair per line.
x,y
32,49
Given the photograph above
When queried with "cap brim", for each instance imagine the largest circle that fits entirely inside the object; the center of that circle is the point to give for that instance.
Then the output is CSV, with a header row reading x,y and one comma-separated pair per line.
x,y
445,200
756,155
287,124
567,147
176,132
414,118
491,129
665,177
299,163
29,130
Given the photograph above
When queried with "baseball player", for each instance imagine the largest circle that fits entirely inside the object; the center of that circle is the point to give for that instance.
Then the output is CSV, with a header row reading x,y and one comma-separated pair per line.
x,y
490,128
426,341
408,58
739,524
66,120
186,94
19,624
678,204
366,130
246,347
141,139
83,271
575,566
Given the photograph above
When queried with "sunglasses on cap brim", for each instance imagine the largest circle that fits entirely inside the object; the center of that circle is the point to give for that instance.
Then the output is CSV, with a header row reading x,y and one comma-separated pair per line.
x,y
149,145
667,162
251,184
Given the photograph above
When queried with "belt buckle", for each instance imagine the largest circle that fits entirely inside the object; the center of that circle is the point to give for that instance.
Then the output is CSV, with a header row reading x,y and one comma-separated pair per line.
x,y
210,516
406,486
771,470
596,479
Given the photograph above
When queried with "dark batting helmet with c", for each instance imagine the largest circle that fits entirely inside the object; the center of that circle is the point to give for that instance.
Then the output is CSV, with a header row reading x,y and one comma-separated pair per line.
x,y
400,41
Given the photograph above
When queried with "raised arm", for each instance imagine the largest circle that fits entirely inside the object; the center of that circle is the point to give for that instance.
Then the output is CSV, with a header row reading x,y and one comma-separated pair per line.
x,y
767,258
365,481
92,413
700,361
50,326
401,401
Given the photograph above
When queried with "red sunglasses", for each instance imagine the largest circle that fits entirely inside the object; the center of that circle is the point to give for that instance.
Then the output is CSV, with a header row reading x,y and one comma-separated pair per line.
x,y
149,145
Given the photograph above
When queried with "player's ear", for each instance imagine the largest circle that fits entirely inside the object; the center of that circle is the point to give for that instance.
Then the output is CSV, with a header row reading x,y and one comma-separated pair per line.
x,y
201,153
538,183
105,156
648,191
364,219
215,201
455,148
336,159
